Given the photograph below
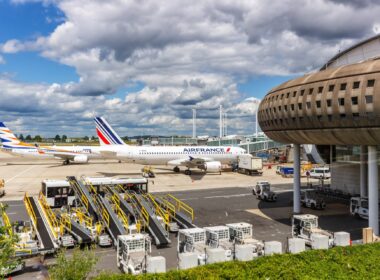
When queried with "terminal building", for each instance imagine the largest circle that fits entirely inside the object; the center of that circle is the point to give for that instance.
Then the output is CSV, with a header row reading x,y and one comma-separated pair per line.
x,y
337,109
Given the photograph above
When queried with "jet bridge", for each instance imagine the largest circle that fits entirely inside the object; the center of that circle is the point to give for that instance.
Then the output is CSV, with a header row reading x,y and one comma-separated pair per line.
x,y
45,236
156,229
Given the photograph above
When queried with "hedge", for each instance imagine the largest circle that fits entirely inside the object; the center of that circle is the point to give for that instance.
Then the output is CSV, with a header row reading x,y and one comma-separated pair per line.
x,y
356,262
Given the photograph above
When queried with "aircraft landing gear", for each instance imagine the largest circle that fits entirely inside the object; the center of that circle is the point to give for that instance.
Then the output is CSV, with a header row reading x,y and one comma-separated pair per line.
x,y
66,162
176,169
187,172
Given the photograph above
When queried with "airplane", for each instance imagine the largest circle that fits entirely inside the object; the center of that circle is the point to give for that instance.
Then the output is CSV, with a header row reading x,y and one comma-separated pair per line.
x,y
77,154
207,158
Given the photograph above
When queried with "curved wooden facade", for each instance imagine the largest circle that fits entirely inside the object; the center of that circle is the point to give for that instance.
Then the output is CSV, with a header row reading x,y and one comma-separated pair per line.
x,y
338,106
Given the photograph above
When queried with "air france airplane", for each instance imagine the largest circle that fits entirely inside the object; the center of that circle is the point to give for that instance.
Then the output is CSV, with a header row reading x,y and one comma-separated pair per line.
x,y
77,154
207,158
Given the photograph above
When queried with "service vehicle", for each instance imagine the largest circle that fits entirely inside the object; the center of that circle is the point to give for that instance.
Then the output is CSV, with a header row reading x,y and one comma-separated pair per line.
x,y
359,207
247,164
303,226
242,233
2,187
132,252
310,199
320,173
262,191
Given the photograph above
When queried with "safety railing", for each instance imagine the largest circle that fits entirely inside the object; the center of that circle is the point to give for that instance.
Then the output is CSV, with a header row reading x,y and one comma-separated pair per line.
x,y
6,220
29,208
180,205
65,222
159,211
83,218
119,212
51,217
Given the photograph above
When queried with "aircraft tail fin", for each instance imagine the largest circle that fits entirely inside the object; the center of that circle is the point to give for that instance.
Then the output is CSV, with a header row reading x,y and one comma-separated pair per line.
x,y
7,137
106,134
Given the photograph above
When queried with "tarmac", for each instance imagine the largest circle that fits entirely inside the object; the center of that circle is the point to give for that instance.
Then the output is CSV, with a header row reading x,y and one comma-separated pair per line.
x,y
216,199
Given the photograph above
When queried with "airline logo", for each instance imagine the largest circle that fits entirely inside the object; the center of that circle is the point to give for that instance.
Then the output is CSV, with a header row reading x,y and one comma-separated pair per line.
x,y
107,136
206,150
6,135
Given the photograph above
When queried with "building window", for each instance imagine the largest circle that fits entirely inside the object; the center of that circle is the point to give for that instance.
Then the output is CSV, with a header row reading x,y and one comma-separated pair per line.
x,y
320,89
343,86
287,95
294,119
319,117
308,105
311,91
354,100
302,92
355,115
301,119
329,117
282,96
328,102
279,108
331,87
292,106
318,102
300,106
370,83
274,110
342,115
356,85
294,93
341,101
368,99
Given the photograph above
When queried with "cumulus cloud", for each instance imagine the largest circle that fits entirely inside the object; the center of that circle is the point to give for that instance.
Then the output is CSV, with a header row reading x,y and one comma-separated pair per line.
x,y
185,56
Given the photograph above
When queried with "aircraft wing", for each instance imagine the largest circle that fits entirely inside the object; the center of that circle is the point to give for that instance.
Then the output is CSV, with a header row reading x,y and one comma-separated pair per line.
x,y
191,162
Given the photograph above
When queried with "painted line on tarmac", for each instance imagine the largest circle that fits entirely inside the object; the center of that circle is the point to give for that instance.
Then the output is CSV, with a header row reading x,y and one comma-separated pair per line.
x,y
217,196
19,174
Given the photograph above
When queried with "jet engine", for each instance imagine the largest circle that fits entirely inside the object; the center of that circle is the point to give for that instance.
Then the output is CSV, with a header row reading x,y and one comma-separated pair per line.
x,y
212,166
80,159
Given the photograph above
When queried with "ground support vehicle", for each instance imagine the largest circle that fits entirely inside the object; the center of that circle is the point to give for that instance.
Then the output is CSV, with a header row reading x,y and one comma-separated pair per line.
x,y
219,237
2,187
242,233
249,165
303,226
148,172
310,199
193,240
359,207
286,172
262,191
320,173
132,252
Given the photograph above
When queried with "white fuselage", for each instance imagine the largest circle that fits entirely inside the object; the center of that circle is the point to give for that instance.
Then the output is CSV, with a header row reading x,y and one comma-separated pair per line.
x,y
48,152
162,155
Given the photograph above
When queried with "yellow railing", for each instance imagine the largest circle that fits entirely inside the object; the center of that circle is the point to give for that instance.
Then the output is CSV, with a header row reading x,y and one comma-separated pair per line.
x,y
106,216
158,210
51,217
181,205
83,218
6,220
65,222
92,188
29,208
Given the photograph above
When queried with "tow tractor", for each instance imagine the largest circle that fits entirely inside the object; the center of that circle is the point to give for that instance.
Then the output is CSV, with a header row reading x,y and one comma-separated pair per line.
x,y
132,252
147,172
310,199
303,226
2,187
262,191
359,207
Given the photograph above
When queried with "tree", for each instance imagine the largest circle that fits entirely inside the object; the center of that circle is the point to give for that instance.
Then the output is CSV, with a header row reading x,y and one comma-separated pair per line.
x,y
7,249
57,138
28,138
76,267
86,138
93,138
21,137
64,138
38,138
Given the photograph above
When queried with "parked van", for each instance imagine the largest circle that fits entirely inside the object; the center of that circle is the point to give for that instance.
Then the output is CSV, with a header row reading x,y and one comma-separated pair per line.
x,y
320,173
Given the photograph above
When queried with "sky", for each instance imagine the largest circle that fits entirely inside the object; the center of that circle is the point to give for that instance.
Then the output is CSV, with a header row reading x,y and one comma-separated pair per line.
x,y
144,65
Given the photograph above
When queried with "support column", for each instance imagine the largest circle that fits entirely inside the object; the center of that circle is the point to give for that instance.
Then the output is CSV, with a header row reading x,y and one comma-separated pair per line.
x,y
363,171
296,179
373,191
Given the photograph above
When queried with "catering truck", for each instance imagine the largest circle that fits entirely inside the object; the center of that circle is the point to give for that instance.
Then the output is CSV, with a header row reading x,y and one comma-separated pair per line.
x,y
250,165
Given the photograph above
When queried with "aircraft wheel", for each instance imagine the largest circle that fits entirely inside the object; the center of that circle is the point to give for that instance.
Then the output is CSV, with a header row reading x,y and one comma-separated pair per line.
x,y
176,169
188,172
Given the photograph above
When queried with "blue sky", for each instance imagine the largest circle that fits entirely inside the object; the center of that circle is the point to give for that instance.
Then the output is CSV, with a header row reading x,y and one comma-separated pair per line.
x,y
146,65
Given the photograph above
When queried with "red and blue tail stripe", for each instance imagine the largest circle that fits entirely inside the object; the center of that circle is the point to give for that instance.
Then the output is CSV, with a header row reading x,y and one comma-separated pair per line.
x,y
106,134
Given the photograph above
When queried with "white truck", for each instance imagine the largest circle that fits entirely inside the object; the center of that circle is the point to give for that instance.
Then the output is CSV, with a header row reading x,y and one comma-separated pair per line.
x,y
310,199
305,225
262,191
359,207
132,252
247,164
